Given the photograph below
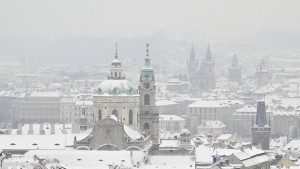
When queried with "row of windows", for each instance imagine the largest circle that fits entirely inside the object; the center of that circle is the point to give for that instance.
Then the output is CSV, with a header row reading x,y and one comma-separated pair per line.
x,y
205,110
209,117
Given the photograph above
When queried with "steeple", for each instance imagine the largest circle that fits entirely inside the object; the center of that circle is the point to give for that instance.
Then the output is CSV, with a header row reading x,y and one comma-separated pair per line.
x,y
192,54
208,56
149,118
147,58
234,62
116,67
147,72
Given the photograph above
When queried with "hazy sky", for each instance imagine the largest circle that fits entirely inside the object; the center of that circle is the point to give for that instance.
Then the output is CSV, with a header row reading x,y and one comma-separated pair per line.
x,y
127,18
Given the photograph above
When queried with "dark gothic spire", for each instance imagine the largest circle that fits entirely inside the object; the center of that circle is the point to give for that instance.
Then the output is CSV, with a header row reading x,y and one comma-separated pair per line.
x,y
208,56
192,54
234,62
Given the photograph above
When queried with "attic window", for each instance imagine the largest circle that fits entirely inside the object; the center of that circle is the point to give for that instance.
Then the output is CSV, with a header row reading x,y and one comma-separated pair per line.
x,y
100,160
79,159
34,144
57,144
122,160
12,144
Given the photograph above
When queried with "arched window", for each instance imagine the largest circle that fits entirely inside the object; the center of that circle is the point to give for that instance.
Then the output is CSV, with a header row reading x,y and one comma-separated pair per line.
x,y
130,117
146,99
99,115
115,112
146,126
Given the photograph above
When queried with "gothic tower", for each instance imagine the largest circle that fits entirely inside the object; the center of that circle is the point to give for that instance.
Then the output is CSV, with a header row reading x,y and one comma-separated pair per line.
x,y
208,66
235,70
149,118
192,65
261,129
263,74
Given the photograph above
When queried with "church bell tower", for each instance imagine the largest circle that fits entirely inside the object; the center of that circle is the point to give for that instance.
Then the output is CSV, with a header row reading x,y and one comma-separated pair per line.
x,y
149,118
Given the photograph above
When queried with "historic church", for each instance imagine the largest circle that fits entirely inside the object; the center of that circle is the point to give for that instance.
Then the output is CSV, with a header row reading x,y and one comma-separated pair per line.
x,y
125,117
201,72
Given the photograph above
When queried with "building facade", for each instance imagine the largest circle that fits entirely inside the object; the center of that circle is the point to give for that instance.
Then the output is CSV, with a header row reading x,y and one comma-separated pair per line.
x,y
201,73
38,107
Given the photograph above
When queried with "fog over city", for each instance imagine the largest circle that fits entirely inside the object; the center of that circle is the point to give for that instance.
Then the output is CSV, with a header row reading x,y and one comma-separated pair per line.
x,y
122,84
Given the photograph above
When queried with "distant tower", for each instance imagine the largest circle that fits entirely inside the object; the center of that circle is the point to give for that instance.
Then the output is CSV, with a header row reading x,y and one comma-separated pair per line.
x,y
83,119
235,70
149,118
193,74
209,65
261,129
263,74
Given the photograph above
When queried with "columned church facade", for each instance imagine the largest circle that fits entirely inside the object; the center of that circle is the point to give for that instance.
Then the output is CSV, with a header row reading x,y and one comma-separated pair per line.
x,y
124,116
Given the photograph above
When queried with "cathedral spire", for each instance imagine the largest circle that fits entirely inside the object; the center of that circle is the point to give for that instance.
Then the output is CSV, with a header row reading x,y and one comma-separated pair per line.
x,y
208,57
192,54
234,62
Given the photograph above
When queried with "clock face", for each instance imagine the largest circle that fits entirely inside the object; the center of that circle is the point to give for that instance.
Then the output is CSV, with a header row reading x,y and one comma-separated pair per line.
x,y
147,85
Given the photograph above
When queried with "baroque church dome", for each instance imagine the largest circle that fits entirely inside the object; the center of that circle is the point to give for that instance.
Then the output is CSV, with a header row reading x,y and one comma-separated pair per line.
x,y
116,84
116,87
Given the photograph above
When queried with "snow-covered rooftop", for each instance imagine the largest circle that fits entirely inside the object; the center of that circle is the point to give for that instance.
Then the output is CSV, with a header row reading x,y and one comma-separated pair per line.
x,y
204,155
170,118
170,162
133,134
209,103
85,159
247,108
